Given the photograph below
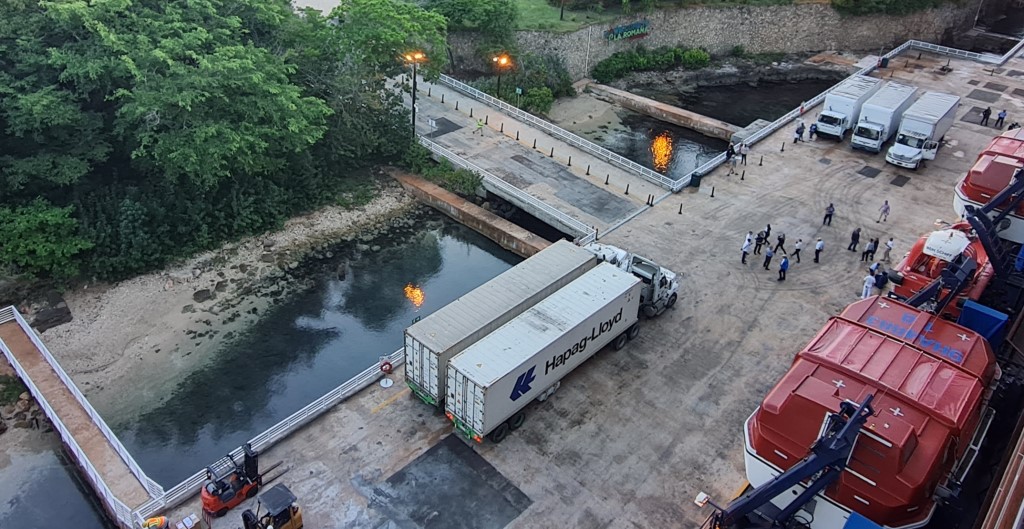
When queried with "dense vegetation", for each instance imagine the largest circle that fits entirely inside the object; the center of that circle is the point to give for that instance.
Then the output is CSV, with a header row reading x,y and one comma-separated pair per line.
x,y
853,7
643,59
135,131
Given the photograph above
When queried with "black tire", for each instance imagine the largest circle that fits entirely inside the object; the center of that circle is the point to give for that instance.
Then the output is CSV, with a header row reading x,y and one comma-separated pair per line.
x,y
220,513
896,278
500,433
620,341
633,331
517,420
671,301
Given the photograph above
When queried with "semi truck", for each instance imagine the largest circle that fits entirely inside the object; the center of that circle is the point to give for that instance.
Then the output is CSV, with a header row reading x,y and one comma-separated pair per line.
x,y
922,129
432,341
492,381
880,116
842,106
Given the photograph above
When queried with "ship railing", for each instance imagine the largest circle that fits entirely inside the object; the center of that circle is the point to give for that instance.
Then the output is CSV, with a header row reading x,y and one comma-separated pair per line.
x,y
115,506
583,234
555,131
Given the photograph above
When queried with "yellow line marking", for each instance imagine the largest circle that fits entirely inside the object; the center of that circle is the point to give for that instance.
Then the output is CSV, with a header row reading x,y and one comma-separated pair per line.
x,y
391,399
739,491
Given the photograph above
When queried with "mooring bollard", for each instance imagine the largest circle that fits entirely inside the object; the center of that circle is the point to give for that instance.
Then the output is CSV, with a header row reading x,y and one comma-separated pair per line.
x,y
486,118
570,162
762,160
627,189
606,177
535,143
712,191
552,155
783,149
743,174
588,169
502,128
517,135
428,91
456,105
470,112
680,209
442,99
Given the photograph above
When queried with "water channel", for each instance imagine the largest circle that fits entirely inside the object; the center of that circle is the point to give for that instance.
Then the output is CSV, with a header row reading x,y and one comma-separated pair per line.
x,y
676,151
40,487
311,342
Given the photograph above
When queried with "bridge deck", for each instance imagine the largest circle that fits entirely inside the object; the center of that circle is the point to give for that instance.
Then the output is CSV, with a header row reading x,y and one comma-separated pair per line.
x,y
534,170
115,472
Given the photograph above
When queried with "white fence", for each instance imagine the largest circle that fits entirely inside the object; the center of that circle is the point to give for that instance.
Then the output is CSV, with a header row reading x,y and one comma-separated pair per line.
x,y
584,145
120,511
584,234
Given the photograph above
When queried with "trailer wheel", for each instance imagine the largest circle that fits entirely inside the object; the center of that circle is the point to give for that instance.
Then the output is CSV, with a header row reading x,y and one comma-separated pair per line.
x,y
671,301
620,341
633,331
500,433
517,420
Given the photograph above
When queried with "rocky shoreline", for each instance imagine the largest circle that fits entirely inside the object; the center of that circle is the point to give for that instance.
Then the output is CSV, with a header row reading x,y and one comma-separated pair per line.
x,y
731,71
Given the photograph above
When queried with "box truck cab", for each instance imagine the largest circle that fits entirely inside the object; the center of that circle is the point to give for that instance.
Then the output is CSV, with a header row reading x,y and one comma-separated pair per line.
x,y
880,116
922,129
842,105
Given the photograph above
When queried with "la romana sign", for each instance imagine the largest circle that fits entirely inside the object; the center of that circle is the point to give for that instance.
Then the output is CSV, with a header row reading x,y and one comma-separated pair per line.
x,y
636,30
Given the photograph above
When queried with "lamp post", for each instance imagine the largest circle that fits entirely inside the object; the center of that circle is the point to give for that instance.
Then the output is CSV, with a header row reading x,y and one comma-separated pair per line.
x,y
501,62
414,58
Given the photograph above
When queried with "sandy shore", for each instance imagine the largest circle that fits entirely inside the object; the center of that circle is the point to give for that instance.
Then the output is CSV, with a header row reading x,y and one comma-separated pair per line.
x,y
140,336
586,115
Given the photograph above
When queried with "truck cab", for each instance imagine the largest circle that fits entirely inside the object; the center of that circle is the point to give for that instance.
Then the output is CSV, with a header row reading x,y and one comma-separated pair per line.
x,y
911,148
833,123
868,136
660,285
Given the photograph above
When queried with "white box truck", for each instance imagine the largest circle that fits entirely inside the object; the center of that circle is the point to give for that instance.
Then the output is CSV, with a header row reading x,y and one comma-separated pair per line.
x,y
432,341
491,382
880,116
842,105
922,129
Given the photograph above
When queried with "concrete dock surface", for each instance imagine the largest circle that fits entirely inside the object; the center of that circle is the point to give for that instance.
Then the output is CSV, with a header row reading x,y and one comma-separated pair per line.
x,y
632,436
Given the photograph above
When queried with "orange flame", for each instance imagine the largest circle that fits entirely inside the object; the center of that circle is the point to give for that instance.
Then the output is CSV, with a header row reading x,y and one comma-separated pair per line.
x,y
661,151
414,294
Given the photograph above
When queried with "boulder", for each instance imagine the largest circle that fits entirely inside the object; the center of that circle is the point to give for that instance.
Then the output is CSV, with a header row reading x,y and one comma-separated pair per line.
x,y
199,296
342,271
7,412
268,258
22,406
51,317
24,396
221,286
267,243
22,424
3,427
196,273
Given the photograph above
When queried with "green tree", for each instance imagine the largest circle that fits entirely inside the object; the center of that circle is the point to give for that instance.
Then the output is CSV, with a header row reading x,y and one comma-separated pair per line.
x,y
40,239
494,20
379,32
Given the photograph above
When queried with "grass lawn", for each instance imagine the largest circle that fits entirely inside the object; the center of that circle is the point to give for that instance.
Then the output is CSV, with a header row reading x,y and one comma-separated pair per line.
x,y
537,14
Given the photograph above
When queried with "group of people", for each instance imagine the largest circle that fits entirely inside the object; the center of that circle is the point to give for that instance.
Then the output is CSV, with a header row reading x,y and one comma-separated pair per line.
x,y
761,244
1000,118
798,134
736,154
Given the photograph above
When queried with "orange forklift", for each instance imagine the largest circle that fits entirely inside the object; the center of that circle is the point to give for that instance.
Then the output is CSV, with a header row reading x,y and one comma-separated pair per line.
x,y
223,492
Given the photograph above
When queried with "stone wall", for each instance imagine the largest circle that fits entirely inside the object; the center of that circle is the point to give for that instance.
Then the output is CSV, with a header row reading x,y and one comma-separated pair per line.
x,y
804,27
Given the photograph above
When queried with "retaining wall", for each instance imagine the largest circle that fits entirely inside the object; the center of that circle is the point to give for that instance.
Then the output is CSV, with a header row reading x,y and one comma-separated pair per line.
x,y
806,27
511,237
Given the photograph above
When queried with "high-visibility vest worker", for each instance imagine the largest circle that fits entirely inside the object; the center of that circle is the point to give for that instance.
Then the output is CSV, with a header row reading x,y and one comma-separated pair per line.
x,y
159,522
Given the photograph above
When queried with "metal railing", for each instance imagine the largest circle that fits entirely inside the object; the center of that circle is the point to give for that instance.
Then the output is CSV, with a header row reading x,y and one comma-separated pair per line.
x,y
152,487
572,139
120,511
584,234
187,488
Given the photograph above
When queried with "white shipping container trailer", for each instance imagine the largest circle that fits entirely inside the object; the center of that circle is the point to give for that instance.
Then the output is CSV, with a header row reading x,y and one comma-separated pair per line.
x,y
491,382
432,341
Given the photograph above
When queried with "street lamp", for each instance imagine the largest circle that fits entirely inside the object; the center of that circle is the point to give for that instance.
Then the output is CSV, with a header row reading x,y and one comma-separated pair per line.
x,y
414,58
501,62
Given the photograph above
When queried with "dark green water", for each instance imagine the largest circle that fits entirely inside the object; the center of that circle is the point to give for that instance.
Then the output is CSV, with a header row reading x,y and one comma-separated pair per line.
x,y
310,343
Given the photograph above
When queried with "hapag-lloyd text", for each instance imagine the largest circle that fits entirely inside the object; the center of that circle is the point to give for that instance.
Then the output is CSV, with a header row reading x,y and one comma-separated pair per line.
x,y
580,346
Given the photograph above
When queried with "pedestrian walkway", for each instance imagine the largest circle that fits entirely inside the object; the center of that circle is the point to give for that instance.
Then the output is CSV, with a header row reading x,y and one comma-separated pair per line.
x,y
54,396
586,187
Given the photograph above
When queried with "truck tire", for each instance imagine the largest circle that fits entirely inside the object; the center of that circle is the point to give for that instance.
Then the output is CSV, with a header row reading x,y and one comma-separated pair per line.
x,y
671,301
517,420
500,433
620,341
650,311
633,331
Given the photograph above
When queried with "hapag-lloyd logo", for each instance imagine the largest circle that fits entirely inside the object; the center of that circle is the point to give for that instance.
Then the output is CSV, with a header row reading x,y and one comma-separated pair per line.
x,y
580,346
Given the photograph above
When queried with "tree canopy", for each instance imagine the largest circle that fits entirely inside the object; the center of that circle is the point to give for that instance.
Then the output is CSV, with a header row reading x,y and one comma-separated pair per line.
x,y
142,130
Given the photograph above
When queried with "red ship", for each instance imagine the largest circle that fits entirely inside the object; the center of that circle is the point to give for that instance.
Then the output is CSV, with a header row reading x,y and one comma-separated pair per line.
x,y
932,253
931,380
991,174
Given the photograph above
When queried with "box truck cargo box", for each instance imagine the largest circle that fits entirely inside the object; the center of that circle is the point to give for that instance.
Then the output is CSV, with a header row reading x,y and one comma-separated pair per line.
x,y
432,341
491,382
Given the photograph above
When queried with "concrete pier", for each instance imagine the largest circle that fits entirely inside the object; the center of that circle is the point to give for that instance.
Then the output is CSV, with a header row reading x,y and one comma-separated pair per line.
x,y
705,125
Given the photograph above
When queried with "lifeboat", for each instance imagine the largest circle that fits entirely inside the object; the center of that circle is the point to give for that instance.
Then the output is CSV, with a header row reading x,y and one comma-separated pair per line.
x,y
932,253
989,175
931,380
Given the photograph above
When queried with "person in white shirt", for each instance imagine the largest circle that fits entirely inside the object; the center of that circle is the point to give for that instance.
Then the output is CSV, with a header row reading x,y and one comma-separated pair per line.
x,y
888,248
869,284
818,247
796,252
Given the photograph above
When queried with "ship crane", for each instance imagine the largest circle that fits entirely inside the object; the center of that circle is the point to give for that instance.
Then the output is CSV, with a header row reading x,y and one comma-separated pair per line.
x,y
827,459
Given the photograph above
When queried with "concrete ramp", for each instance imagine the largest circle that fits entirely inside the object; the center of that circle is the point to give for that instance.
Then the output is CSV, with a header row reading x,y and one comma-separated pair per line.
x,y
712,127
